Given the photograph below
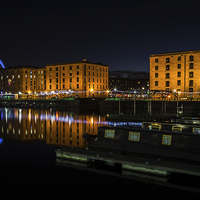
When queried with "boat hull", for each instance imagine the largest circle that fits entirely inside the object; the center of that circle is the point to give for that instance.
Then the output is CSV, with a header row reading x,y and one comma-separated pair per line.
x,y
183,146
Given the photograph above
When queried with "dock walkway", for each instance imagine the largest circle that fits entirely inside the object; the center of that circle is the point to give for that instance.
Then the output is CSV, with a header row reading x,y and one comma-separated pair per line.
x,y
140,163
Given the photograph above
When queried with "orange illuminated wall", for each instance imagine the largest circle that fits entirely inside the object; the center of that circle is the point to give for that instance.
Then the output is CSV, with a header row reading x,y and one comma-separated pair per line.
x,y
177,72
85,78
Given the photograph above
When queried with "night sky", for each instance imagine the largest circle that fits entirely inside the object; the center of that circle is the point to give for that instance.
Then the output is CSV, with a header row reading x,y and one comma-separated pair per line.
x,y
121,34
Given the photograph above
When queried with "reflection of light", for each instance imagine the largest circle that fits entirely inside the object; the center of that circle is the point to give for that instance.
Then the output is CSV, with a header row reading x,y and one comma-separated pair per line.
x,y
92,120
1,140
20,115
6,114
56,115
29,114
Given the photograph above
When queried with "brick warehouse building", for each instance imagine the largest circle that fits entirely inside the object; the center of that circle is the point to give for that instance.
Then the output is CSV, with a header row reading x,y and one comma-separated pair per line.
x,y
86,79
177,72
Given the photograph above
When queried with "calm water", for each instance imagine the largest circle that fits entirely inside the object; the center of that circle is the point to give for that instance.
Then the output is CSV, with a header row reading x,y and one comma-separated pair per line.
x,y
28,139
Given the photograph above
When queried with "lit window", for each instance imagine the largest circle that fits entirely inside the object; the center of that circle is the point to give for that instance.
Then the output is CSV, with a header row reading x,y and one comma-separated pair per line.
x,y
18,76
134,136
177,128
166,139
109,133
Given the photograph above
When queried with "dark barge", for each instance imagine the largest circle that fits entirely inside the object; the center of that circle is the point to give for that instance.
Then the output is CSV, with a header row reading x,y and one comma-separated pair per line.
x,y
148,140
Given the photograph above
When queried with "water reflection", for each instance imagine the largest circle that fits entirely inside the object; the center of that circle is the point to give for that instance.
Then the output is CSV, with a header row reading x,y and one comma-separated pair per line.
x,y
56,127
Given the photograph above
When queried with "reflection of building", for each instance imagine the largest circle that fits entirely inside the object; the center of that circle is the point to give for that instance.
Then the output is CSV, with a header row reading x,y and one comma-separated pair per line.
x,y
84,78
70,134
57,128
18,124
176,72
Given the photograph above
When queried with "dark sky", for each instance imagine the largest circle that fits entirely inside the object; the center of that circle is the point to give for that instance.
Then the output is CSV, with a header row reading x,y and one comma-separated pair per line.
x,y
121,34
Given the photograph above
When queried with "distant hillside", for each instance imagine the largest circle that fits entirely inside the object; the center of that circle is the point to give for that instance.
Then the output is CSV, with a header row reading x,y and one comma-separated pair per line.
x,y
131,74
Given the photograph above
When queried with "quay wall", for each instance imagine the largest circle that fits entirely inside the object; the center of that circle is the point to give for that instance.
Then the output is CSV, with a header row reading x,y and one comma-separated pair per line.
x,y
125,106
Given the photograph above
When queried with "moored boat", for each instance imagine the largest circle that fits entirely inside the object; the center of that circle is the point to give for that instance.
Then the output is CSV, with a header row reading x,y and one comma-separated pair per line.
x,y
166,143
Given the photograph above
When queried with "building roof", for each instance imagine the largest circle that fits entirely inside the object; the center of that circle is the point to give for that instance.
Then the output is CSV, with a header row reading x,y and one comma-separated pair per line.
x,y
174,53
77,62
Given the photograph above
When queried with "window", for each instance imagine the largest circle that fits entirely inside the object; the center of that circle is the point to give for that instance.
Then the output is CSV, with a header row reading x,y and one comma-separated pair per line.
x,y
77,79
63,86
77,72
191,58
167,60
18,76
178,74
77,86
190,74
63,68
191,83
191,65
167,67
190,89
77,67
179,66
49,86
166,139
178,82
179,58
56,73
63,80
156,83
56,68
134,136
167,83
49,80
109,133
156,60
156,75
49,69
70,67
177,128
56,80
70,79
56,86
167,75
